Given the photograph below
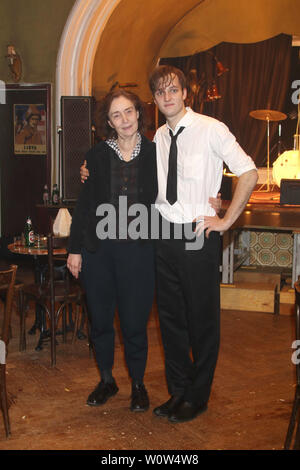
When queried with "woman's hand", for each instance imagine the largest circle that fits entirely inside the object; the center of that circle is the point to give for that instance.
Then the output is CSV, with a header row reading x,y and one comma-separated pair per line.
x,y
216,203
74,263
84,172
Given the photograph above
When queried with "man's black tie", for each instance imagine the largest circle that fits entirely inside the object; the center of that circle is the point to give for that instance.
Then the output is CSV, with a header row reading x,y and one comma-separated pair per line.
x,y
172,171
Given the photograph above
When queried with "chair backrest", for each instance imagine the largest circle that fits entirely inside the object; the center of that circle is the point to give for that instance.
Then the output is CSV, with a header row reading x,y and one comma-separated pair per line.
x,y
56,246
7,282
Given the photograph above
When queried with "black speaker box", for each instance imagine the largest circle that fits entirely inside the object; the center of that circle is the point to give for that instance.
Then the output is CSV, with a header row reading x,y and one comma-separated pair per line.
x,y
290,191
76,140
228,185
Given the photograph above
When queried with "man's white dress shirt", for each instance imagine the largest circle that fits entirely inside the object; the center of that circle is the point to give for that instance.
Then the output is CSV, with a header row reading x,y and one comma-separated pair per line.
x,y
203,146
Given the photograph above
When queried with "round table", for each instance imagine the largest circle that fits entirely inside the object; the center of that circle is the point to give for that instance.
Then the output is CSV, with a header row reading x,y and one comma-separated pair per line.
x,y
36,252
33,250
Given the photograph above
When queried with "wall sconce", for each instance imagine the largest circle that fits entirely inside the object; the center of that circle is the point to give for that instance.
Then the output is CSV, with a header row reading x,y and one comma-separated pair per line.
x,y
14,62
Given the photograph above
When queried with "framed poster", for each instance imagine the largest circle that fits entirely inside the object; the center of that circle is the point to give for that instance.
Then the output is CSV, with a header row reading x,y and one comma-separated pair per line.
x,y
25,163
30,128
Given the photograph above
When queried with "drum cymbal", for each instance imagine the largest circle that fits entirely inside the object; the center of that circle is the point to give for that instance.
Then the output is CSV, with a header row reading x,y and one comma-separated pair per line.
x,y
268,114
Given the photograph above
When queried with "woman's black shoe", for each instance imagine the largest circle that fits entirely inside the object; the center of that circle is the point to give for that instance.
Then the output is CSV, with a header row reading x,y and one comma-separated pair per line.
x,y
139,398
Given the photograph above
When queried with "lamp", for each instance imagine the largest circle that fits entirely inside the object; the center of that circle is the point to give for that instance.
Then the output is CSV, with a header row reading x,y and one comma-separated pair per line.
x,y
208,94
204,89
220,67
212,93
14,62
215,92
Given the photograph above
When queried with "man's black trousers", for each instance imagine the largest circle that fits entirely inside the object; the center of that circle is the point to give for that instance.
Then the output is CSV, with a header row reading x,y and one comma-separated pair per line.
x,y
188,298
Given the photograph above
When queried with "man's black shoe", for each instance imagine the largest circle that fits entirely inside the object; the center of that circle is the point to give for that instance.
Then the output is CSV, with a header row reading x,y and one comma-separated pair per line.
x,y
186,411
102,393
139,398
167,408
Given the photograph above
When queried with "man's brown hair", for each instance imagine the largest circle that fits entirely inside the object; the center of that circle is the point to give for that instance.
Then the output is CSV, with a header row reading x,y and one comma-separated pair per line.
x,y
163,74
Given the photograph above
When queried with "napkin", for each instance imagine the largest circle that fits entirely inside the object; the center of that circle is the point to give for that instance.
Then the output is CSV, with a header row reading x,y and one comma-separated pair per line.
x,y
62,223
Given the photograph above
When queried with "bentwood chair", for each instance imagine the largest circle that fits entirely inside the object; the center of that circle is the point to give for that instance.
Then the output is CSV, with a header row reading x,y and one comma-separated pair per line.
x,y
7,282
54,296
294,425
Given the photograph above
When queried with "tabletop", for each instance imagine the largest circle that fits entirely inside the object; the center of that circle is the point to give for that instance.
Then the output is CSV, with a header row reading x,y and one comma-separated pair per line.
x,y
35,251
268,216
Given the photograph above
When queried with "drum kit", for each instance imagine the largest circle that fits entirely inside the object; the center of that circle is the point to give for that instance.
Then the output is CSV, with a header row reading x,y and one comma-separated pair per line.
x,y
267,115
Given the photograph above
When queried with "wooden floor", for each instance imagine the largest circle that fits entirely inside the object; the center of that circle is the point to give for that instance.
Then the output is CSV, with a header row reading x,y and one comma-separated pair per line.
x,y
249,408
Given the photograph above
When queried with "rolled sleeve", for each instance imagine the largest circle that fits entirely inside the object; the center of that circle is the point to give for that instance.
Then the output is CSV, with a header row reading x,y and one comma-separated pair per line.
x,y
226,147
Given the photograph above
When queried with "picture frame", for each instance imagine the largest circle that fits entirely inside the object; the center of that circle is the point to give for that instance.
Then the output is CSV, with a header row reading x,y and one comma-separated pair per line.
x,y
30,129
24,171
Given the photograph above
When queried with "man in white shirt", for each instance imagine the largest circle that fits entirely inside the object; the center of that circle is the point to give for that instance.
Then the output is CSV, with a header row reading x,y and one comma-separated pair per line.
x,y
188,279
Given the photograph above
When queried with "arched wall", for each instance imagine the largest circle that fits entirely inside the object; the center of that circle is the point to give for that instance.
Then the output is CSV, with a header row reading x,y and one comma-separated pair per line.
x,y
77,50
122,39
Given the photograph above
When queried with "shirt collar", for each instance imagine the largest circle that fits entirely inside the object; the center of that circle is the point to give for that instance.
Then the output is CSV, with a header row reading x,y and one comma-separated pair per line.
x,y
113,143
185,121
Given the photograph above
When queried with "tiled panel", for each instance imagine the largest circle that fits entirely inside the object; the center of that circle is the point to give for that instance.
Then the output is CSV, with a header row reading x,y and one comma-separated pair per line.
x,y
271,249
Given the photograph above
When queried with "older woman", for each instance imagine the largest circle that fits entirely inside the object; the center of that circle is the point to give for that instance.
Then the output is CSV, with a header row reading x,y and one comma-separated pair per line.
x,y
117,270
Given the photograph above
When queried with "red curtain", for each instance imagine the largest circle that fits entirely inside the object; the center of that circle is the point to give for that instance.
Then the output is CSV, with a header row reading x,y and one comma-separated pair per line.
x,y
258,78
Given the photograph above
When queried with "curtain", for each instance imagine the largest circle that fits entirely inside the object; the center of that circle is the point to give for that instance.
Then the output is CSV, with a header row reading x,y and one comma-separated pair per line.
x,y
258,78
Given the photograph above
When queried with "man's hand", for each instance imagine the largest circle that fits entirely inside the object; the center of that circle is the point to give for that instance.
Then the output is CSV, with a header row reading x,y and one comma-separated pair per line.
x,y
245,185
84,172
210,224
216,203
74,262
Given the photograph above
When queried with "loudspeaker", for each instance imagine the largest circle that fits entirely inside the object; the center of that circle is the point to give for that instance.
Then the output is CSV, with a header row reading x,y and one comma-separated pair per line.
x,y
290,191
76,140
228,185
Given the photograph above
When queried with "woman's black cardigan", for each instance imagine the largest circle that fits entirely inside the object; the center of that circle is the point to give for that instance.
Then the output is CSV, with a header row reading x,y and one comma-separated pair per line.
x,y
96,190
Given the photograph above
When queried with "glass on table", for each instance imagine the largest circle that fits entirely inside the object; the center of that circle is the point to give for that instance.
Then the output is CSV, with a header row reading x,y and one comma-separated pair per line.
x,y
37,240
40,241
18,242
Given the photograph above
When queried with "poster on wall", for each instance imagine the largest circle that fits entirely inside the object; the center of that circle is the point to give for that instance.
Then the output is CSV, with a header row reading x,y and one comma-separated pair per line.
x,y
30,129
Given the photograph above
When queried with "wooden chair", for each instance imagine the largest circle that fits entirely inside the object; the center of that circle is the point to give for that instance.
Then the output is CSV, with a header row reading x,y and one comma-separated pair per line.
x,y
7,281
55,295
294,424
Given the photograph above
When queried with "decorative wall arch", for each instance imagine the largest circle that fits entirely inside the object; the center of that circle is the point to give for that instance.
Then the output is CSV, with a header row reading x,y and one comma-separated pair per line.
x,y
77,50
